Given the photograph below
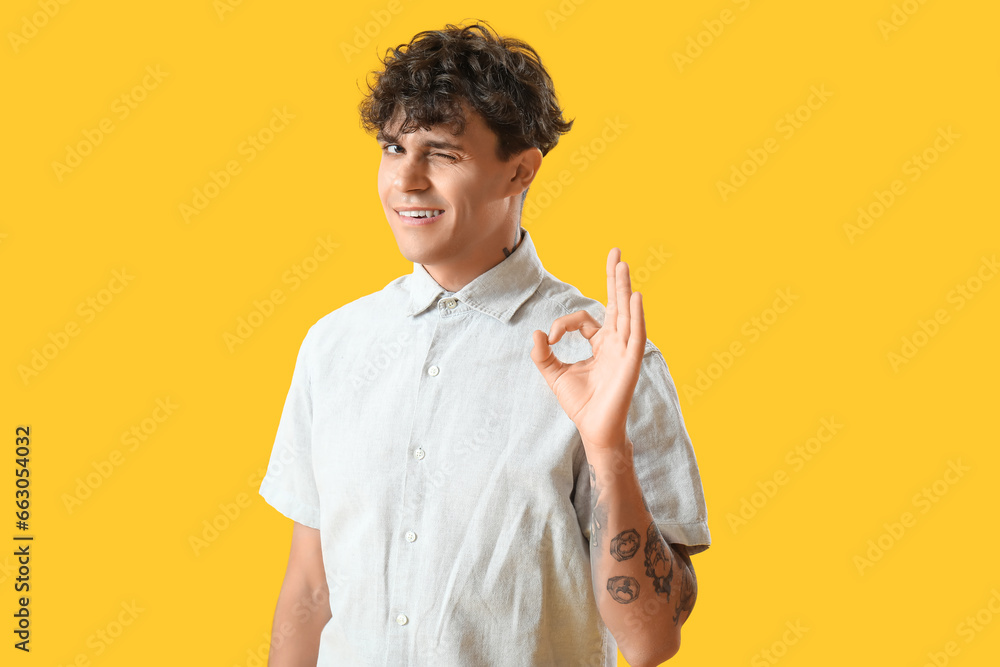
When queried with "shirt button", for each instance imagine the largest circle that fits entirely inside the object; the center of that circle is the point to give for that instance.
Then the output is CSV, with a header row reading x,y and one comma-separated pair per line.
x,y
418,453
410,536
433,370
401,619
450,303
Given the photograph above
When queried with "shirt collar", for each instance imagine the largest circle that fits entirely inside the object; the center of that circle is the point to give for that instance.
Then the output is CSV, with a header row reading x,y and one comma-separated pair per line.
x,y
498,292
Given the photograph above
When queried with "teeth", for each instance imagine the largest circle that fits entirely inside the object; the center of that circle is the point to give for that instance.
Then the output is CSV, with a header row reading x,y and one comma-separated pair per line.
x,y
422,214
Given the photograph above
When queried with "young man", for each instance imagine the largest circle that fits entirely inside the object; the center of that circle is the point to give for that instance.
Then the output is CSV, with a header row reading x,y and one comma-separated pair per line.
x,y
461,494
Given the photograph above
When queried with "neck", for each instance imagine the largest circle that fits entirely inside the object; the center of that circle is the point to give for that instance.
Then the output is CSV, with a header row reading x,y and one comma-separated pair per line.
x,y
517,241
454,278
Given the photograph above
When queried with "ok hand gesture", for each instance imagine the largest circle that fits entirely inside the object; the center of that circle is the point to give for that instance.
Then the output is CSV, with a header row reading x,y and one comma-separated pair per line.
x,y
596,392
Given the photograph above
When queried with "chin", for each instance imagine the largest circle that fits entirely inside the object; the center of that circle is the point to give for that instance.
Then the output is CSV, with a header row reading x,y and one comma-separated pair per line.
x,y
413,253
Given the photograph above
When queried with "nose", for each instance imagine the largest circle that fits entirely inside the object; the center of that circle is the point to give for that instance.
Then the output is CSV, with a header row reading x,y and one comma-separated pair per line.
x,y
411,174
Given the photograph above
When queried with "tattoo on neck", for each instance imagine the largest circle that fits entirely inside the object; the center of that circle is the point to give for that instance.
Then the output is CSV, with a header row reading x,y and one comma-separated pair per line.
x,y
506,253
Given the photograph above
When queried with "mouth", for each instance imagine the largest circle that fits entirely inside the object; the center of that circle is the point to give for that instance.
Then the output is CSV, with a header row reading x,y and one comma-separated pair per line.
x,y
417,217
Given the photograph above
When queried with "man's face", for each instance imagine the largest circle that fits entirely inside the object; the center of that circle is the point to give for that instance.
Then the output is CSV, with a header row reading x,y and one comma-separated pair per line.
x,y
472,196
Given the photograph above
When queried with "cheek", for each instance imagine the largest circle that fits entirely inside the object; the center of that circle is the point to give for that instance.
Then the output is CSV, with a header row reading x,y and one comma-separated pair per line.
x,y
465,189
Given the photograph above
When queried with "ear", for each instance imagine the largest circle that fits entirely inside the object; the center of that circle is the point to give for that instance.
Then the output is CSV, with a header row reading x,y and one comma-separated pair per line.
x,y
526,165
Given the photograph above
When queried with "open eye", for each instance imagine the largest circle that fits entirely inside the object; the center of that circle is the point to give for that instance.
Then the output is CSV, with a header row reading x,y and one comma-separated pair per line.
x,y
387,148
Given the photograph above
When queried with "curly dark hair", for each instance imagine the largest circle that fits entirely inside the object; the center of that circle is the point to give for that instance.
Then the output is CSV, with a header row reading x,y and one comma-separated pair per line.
x,y
501,78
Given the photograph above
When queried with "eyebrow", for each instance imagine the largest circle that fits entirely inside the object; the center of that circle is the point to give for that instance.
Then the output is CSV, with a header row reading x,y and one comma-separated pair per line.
x,y
428,143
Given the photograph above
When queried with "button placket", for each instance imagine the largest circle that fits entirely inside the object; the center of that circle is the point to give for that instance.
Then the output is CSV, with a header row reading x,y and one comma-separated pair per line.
x,y
408,564
449,306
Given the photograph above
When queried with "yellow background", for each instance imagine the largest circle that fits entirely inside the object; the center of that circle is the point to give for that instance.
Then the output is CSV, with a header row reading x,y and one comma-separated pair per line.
x,y
650,189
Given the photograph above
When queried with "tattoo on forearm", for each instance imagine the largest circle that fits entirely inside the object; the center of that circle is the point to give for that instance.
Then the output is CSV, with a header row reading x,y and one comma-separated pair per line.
x,y
623,589
688,587
659,563
598,514
625,544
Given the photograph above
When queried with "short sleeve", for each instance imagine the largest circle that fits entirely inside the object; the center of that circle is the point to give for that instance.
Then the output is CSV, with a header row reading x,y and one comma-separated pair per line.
x,y
664,460
289,484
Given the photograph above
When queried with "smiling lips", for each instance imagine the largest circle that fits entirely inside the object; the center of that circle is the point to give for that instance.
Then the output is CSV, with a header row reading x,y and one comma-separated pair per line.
x,y
420,216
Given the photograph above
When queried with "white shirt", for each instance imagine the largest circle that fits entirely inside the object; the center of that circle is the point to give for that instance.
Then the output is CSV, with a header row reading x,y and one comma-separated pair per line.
x,y
450,488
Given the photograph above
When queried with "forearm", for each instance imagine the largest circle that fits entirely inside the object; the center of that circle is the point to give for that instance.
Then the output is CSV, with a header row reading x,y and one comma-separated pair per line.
x,y
644,589
299,617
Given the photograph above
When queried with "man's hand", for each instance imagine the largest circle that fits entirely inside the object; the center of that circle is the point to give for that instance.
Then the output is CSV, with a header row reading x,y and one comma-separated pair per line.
x,y
596,392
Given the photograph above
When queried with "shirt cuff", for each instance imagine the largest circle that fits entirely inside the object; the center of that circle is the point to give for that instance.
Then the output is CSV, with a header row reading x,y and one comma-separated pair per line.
x,y
694,535
289,505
